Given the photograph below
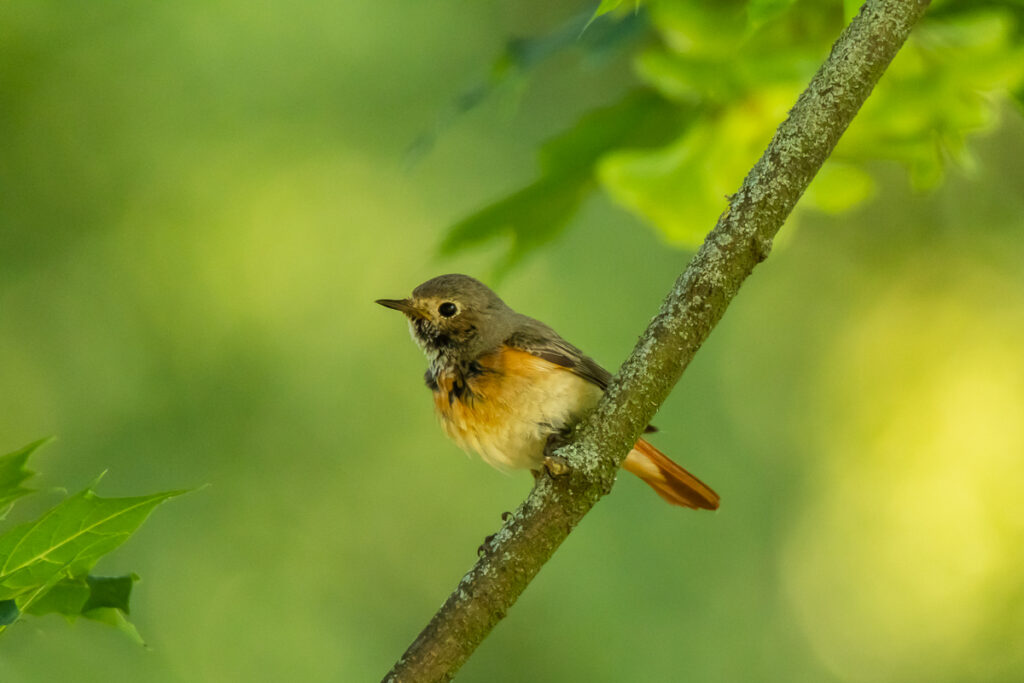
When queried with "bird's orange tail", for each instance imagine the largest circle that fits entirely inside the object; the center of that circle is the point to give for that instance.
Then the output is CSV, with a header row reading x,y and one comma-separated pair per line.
x,y
668,479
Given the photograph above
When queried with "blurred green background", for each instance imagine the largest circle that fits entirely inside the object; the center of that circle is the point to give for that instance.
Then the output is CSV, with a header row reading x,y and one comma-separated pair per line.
x,y
199,203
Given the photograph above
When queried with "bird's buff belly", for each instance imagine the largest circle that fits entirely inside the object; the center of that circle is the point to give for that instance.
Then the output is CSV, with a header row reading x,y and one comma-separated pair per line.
x,y
506,413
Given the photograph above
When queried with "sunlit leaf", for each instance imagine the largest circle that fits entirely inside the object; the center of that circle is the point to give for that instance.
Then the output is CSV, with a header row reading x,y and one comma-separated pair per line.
x,y
605,7
932,97
681,188
690,79
117,619
702,28
66,597
733,68
44,563
762,11
667,187
920,114
13,474
67,541
838,187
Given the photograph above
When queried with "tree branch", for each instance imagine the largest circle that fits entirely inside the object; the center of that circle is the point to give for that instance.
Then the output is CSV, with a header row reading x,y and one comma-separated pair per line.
x,y
741,239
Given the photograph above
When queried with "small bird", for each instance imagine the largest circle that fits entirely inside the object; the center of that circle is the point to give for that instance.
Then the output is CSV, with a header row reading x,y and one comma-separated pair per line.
x,y
504,384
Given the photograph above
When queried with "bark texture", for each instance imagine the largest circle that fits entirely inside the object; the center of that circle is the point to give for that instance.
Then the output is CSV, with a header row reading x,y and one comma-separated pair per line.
x,y
740,240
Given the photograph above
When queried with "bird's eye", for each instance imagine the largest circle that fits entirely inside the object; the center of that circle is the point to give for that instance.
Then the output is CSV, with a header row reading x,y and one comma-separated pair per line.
x,y
447,309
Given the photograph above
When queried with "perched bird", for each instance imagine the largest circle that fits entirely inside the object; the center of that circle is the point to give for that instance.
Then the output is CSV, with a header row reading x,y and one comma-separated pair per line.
x,y
505,383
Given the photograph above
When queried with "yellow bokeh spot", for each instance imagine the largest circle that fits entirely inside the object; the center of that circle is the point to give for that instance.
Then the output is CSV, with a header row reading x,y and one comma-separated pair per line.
x,y
912,544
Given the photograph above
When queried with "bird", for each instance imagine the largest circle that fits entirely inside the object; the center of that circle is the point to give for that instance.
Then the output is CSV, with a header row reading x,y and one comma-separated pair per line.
x,y
505,384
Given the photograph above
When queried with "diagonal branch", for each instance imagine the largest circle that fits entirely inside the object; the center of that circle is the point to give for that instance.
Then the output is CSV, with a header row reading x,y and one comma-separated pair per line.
x,y
741,239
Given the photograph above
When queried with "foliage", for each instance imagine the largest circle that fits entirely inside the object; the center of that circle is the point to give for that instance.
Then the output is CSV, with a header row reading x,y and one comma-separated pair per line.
x,y
13,474
728,71
45,563
200,200
535,214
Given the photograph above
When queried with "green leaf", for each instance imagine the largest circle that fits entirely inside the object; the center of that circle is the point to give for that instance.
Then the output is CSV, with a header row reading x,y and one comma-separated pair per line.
x,y
67,541
605,7
838,187
707,29
75,596
942,87
529,218
117,619
762,11
66,597
732,69
537,213
666,187
9,612
13,473
98,598
110,591
682,188
44,564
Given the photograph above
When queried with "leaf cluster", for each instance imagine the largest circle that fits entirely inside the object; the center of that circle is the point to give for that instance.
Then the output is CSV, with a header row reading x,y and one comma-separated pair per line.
x,y
45,563
717,79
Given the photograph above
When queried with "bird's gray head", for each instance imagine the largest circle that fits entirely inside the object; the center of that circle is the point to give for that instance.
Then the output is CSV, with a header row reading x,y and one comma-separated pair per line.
x,y
455,318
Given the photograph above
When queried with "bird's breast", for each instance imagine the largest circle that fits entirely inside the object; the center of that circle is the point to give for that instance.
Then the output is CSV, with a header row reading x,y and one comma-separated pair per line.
x,y
506,404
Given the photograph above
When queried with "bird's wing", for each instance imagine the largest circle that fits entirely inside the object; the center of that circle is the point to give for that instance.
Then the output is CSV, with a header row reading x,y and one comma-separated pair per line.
x,y
536,338
539,340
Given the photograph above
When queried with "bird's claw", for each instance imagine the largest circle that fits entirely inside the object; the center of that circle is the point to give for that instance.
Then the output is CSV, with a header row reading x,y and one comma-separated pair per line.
x,y
483,546
556,465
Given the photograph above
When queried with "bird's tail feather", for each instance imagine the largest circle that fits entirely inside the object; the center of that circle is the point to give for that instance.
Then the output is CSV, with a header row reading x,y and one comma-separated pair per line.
x,y
668,479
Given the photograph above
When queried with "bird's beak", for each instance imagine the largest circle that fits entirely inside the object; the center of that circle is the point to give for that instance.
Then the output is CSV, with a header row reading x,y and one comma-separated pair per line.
x,y
404,305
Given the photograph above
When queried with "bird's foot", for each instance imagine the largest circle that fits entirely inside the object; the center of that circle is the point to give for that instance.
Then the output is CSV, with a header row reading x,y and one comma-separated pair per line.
x,y
483,546
556,465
